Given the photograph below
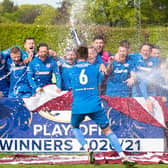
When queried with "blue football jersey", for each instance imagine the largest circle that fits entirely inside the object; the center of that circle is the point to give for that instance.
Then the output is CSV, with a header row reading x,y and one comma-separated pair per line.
x,y
147,72
40,73
65,70
4,81
19,86
84,80
116,85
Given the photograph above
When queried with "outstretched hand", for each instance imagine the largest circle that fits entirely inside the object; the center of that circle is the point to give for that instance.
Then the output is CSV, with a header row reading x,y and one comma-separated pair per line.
x,y
102,68
39,90
58,90
1,94
149,104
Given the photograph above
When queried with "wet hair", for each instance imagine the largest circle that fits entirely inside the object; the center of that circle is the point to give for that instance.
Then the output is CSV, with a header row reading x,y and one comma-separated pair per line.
x,y
28,38
42,45
14,50
124,43
146,43
154,46
92,47
69,49
98,37
82,52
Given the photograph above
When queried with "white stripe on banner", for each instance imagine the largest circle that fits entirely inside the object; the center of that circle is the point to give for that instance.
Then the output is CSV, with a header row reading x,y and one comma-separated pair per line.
x,y
157,112
39,99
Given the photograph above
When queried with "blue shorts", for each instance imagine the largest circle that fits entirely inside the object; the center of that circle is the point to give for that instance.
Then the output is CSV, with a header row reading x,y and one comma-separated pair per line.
x,y
99,117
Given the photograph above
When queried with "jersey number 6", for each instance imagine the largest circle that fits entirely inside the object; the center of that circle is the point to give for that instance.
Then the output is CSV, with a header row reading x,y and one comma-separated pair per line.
x,y
83,77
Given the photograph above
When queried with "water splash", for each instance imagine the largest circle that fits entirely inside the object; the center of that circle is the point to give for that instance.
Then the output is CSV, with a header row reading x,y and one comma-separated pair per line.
x,y
153,78
137,14
76,12
75,20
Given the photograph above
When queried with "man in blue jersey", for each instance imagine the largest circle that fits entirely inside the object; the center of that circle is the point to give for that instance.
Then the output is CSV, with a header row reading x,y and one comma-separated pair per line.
x,y
92,58
155,52
147,73
6,53
29,45
5,56
65,68
121,75
98,43
41,68
19,86
92,54
4,80
84,79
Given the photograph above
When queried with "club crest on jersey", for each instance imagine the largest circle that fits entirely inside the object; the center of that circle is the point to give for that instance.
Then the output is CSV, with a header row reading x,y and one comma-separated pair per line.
x,y
48,65
126,64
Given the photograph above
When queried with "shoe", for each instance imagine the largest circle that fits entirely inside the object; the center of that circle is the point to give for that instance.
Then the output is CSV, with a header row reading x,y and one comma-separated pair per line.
x,y
91,156
128,162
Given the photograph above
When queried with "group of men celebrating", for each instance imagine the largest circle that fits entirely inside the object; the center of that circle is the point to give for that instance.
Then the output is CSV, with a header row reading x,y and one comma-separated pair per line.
x,y
125,74
88,72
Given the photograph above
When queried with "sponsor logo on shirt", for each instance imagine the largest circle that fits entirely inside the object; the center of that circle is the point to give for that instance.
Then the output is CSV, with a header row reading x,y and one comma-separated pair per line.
x,y
42,73
15,68
126,65
121,71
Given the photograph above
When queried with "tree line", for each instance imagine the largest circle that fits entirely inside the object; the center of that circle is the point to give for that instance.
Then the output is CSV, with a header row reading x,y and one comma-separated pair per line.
x,y
114,13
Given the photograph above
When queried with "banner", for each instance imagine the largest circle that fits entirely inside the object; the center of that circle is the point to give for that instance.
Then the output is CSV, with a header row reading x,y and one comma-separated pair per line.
x,y
42,124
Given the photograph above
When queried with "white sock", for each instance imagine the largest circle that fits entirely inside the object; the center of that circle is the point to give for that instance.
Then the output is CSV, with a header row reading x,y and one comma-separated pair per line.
x,y
122,155
86,147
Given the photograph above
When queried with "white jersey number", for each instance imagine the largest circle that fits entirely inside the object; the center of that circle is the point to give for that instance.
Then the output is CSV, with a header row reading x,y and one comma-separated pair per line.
x,y
83,77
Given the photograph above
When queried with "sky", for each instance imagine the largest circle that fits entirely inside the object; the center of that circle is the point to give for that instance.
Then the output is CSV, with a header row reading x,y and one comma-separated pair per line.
x,y
54,3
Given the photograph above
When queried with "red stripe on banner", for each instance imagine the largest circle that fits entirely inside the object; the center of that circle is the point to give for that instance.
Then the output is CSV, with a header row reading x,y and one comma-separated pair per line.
x,y
101,158
130,107
59,103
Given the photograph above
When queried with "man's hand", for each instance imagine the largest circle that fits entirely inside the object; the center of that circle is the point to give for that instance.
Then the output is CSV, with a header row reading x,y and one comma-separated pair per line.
x,y
130,82
28,59
1,94
39,90
163,99
102,68
149,104
111,59
30,56
58,90
110,65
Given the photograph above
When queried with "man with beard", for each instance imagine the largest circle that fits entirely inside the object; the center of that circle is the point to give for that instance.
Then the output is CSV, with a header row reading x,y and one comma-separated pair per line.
x,y
41,68
98,43
19,86
102,57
